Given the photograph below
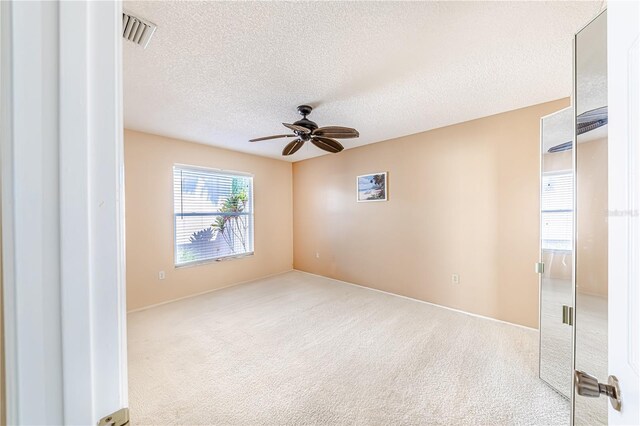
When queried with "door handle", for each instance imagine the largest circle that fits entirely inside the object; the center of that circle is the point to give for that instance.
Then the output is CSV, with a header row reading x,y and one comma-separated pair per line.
x,y
567,315
587,385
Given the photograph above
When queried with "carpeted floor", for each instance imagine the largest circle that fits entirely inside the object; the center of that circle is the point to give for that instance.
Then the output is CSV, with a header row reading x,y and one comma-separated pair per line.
x,y
301,349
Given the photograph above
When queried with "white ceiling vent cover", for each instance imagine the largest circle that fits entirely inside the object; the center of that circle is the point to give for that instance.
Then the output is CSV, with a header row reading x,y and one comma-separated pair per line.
x,y
137,29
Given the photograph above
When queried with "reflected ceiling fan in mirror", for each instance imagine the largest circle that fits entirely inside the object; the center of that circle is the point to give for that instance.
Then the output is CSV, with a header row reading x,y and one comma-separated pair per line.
x,y
585,122
306,130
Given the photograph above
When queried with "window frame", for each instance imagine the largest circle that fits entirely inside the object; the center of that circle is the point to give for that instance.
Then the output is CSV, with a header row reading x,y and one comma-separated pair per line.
x,y
251,215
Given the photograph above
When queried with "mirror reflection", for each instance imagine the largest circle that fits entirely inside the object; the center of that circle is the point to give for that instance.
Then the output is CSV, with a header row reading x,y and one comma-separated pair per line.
x,y
556,245
591,215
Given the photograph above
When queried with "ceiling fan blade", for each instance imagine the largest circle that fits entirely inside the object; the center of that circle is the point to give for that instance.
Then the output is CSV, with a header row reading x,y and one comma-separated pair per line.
x,y
266,138
297,128
330,145
336,132
292,147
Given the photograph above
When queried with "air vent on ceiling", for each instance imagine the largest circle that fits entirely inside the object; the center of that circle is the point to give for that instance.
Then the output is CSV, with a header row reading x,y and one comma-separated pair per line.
x,y
137,30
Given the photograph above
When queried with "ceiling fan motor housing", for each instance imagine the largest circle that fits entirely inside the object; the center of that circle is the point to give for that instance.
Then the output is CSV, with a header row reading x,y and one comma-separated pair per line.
x,y
305,110
307,124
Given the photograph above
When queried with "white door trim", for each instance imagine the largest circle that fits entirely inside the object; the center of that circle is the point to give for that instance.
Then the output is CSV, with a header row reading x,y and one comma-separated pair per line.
x,y
63,213
624,205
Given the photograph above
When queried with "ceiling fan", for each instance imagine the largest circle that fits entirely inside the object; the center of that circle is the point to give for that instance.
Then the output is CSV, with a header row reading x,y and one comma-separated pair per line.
x,y
306,130
585,122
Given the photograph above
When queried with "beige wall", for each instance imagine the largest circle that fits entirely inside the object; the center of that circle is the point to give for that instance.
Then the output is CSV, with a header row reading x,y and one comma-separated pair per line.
x,y
592,227
149,219
462,199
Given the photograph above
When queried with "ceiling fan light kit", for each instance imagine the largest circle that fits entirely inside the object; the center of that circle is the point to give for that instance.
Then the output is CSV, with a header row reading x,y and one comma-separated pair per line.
x,y
306,130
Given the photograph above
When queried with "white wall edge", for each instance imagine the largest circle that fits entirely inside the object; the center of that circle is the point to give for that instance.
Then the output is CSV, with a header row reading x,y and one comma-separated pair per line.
x,y
61,166
30,213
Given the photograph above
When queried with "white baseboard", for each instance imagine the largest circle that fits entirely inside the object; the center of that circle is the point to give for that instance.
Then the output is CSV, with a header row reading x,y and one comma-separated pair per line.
x,y
144,308
421,301
155,305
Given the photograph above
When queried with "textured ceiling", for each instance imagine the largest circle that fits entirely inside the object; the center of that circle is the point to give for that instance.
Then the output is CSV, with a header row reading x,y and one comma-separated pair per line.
x,y
221,73
557,128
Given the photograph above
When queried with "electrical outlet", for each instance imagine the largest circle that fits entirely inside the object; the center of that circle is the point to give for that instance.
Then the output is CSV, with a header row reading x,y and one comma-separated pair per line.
x,y
317,255
161,275
455,279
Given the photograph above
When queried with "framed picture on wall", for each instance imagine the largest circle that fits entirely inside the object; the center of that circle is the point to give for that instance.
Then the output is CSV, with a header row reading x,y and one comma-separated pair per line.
x,y
372,187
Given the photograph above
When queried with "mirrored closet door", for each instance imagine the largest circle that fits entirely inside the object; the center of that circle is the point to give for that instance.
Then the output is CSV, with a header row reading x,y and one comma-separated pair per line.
x,y
573,232
591,231
556,247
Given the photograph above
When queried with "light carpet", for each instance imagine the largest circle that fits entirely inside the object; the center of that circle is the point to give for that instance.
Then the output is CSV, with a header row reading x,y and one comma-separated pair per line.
x,y
302,349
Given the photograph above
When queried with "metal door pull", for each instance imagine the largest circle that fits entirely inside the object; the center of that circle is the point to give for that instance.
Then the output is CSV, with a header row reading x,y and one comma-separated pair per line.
x,y
567,315
587,385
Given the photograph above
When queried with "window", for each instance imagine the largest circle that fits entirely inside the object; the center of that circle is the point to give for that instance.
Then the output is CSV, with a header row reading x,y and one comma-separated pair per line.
x,y
557,210
212,214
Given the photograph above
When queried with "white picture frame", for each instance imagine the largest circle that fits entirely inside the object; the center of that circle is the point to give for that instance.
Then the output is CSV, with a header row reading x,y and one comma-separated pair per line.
x,y
372,187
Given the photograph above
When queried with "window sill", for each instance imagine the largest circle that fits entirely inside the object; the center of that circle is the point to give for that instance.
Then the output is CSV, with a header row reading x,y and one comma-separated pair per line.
x,y
561,250
217,259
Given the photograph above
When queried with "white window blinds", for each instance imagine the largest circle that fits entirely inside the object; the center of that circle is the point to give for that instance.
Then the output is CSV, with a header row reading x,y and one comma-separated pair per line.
x,y
557,210
213,214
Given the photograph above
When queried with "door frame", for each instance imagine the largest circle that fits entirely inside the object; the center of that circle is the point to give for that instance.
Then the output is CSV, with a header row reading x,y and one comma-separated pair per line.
x,y
623,50
62,177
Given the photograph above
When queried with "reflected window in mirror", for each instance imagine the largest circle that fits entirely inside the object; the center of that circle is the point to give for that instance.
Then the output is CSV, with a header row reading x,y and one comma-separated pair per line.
x,y
557,210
